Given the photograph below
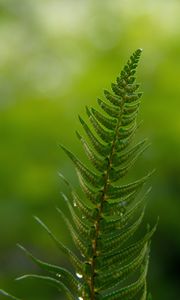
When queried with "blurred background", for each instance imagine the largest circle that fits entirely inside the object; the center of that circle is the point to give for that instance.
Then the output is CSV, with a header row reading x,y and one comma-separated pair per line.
x,y
56,56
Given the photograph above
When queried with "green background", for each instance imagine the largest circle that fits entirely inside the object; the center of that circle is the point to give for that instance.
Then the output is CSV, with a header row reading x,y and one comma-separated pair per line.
x,y
55,58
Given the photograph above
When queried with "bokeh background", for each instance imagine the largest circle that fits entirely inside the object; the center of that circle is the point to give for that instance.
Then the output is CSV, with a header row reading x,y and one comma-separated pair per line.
x,y
56,56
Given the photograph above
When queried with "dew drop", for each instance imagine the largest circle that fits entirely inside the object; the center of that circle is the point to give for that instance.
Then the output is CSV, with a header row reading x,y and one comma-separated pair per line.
x,y
83,217
74,203
79,275
124,203
80,298
58,275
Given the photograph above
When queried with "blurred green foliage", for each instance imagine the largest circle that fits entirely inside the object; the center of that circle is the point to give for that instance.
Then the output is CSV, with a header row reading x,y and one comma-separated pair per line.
x,y
56,56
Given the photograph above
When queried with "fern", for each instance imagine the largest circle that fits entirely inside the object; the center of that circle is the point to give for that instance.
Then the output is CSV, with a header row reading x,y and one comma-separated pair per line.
x,y
110,265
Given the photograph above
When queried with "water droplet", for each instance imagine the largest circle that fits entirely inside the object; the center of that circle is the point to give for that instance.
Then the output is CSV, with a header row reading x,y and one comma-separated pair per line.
x,y
83,217
79,275
74,203
58,275
80,298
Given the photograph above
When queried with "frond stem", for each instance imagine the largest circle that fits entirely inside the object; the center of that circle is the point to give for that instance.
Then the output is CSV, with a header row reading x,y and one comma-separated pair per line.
x,y
103,198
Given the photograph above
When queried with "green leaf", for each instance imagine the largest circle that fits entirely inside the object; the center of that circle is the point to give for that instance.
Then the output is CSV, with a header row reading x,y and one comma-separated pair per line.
x,y
126,155
111,111
82,226
115,192
123,215
130,98
116,240
51,281
118,91
126,253
115,275
99,163
8,295
123,142
106,136
88,175
132,108
72,257
76,236
86,207
118,207
109,123
116,174
144,293
91,194
117,101
130,291
128,119
126,131
62,274
99,147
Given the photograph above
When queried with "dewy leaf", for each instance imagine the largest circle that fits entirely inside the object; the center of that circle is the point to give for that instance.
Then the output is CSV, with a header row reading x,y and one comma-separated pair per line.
x,y
80,223
51,281
62,274
85,207
116,241
111,262
123,214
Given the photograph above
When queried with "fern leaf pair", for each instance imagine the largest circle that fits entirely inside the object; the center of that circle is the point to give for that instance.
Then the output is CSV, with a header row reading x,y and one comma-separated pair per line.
x,y
110,265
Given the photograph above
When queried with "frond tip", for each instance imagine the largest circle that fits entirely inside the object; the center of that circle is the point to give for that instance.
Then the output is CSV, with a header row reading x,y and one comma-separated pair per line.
x,y
112,262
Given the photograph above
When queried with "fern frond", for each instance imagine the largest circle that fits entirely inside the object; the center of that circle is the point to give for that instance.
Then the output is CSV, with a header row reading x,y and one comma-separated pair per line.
x,y
107,215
